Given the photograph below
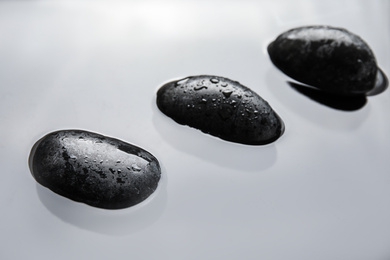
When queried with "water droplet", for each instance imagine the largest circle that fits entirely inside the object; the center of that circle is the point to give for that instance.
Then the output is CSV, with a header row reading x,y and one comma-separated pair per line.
x,y
214,80
119,170
101,161
135,167
200,87
224,84
227,93
255,111
203,100
73,157
233,102
213,100
118,161
180,82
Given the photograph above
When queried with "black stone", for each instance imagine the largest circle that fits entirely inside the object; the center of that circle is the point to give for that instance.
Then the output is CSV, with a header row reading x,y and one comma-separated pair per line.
x,y
328,58
94,169
220,107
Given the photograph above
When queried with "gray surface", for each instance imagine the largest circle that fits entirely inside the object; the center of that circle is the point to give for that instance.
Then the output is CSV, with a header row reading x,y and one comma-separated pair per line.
x,y
320,192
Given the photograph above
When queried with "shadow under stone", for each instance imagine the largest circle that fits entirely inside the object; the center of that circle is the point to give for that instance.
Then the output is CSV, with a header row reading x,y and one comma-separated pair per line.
x,y
381,83
340,102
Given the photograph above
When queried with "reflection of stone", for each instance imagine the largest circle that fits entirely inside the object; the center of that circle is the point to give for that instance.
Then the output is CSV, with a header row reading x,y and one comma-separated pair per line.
x,y
381,84
94,169
340,102
110,222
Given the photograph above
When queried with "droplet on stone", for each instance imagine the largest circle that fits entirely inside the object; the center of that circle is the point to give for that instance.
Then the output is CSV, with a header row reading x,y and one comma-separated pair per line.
x,y
52,167
200,87
135,167
227,93
214,80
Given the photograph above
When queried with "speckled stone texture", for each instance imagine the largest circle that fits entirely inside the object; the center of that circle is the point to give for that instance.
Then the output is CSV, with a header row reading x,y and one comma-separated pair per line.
x,y
220,107
94,169
328,58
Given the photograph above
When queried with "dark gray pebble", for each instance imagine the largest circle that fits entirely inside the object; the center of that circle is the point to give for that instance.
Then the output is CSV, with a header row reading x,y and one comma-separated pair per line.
x,y
220,107
94,169
328,58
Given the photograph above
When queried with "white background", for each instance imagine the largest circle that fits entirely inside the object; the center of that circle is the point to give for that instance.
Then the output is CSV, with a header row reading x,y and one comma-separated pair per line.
x,y
322,191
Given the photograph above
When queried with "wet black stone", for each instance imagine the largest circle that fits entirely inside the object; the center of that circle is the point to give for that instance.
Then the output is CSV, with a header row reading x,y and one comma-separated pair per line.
x,y
220,107
328,58
94,169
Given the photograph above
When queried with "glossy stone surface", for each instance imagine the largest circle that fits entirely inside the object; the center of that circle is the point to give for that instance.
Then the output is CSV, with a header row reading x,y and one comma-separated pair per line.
x,y
328,58
94,169
220,107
